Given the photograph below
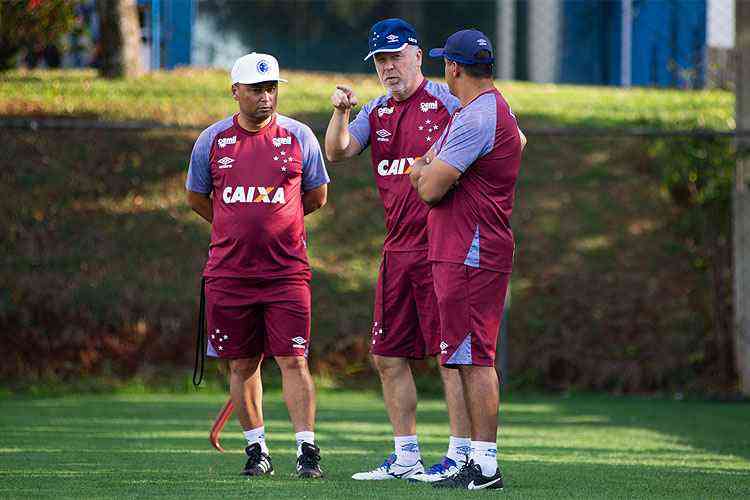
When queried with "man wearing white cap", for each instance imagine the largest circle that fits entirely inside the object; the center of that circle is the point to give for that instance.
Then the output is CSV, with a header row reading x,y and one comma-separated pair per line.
x,y
399,127
254,176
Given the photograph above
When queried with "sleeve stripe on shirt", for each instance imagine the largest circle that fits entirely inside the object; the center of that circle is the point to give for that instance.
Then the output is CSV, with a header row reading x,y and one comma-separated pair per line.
x,y
199,172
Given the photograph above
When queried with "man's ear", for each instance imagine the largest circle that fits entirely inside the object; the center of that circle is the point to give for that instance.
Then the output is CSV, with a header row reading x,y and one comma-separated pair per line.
x,y
234,92
456,69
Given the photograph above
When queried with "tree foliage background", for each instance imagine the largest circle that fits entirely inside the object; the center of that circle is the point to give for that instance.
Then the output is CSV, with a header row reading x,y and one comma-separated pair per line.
x,y
30,24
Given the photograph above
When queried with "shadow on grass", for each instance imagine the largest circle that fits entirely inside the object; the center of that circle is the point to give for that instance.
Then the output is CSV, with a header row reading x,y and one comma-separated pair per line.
x,y
581,447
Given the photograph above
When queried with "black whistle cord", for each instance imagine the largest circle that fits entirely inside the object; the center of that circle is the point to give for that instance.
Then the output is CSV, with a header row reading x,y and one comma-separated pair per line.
x,y
200,344
382,298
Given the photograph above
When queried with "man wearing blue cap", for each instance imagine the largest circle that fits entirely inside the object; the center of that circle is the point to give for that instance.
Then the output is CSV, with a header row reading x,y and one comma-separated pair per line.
x,y
469,179
399,127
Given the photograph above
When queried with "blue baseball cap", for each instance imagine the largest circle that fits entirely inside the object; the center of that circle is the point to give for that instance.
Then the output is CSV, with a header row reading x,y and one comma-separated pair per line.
x,y
463,46
391,35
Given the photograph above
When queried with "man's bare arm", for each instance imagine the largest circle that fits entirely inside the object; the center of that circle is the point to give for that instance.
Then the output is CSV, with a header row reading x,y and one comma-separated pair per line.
x,y
201,204
314,199
339,143
434,179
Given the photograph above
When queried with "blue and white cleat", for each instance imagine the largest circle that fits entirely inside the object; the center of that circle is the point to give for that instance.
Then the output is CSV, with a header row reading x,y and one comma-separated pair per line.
x,y
444,469
390,469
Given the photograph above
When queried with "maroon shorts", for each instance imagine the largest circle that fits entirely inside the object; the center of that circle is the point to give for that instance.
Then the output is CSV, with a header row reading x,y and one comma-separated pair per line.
x,y
405,322
471,303
247,317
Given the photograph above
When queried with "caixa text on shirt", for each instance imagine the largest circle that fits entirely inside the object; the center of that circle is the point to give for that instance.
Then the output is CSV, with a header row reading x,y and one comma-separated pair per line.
x,y
395,167
253,194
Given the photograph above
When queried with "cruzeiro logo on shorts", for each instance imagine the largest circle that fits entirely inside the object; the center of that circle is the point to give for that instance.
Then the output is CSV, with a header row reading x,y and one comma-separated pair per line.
x,y
395,167
263,66
224,141
253,194
298,343
278,141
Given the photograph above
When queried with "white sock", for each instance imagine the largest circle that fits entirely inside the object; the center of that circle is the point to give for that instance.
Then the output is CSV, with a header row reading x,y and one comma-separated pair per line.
x,y
484,453
303,437
257,435
458,449
407,450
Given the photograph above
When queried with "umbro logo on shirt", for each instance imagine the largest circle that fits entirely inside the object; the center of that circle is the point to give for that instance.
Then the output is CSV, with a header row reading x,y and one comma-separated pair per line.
x,y
426,106
383,135
225,162
443,347
278,141
224,141
385,111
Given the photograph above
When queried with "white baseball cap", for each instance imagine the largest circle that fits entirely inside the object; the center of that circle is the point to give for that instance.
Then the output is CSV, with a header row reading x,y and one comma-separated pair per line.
x,y
256,68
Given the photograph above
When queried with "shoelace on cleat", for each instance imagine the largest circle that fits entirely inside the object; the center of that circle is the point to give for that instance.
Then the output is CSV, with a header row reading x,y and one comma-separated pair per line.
x,y
390,460
309,459
253,453
464,474
254,456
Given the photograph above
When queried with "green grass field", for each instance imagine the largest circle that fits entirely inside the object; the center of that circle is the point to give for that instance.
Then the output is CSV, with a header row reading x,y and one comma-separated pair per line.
x,y
196,97
149,445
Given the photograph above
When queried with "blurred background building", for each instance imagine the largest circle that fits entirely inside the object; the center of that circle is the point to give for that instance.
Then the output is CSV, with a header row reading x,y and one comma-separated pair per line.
x,y
665,43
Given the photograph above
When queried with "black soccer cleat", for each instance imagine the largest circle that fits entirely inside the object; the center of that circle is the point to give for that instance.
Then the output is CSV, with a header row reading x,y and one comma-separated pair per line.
x,y
470,477
460,480
308,463
258,463
482,482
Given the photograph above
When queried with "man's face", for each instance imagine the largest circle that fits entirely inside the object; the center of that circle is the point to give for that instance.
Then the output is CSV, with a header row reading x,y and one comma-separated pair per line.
x,y
399,70
258,100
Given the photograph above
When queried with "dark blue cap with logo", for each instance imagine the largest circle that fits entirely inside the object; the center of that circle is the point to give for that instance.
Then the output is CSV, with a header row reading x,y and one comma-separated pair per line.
x,y
391,35
463,47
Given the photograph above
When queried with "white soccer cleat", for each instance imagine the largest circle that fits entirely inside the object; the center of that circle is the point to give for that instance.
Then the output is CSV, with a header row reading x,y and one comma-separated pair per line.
x,y
442,470
390,469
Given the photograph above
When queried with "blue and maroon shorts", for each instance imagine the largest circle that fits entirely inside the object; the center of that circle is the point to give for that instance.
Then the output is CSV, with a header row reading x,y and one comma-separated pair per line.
x,y
247,317
405,321
471,302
